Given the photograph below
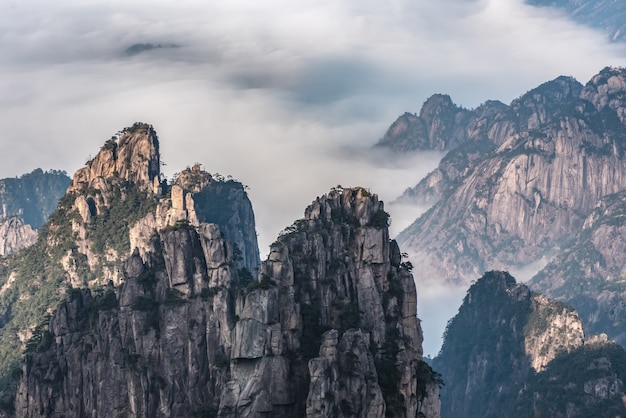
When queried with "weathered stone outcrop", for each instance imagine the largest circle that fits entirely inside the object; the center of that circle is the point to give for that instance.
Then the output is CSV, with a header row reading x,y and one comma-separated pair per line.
x,y
333,309
132,156
506,342
15,235
196,198
106,197
118,209
585,382
336,269
157,345
551,329
226,203
528,196
590,273
344,375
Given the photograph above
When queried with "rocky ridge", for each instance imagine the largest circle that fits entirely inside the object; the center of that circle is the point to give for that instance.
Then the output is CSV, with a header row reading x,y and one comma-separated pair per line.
x,y
15,235
327,328
506,343
527,197
489,126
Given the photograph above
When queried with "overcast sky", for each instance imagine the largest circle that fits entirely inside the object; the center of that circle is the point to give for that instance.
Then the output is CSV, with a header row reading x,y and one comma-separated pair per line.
x,y
285,96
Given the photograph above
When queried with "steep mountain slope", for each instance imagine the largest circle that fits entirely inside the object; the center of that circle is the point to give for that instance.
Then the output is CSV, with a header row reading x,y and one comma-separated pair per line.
x,y
15,235
590,274
509,352
440,126
328,329
606,15
33,196
175,324
112,206
522,200
26,202
489,126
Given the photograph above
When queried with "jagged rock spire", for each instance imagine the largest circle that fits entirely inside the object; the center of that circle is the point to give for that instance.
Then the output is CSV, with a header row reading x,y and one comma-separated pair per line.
x,y
132,156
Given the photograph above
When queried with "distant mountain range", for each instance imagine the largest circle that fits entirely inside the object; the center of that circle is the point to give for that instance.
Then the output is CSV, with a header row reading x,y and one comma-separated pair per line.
x,y
524,184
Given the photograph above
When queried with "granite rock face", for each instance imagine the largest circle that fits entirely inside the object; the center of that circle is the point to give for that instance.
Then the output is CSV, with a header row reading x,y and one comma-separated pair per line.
x,y
440,126
118,208
15,235
523,200
327,327
590,273
132,157
484,129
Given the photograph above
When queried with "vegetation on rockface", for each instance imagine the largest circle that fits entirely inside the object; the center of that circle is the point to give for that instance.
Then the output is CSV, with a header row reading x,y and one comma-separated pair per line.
x,y
588,381
137,127
488,373
36,287
486,333
33,196
39,280
538,320
109,230
588,273
381,219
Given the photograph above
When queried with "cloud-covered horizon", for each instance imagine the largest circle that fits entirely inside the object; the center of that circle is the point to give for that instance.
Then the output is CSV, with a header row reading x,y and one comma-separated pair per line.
x,y
285,96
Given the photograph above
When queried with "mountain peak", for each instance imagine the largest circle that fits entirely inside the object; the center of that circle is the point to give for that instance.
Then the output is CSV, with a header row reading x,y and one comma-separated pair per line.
x,y
131,155
439,126
436,104
511,352
348,205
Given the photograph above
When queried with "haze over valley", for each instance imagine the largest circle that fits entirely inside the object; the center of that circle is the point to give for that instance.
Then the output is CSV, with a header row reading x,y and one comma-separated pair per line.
x,y
492,130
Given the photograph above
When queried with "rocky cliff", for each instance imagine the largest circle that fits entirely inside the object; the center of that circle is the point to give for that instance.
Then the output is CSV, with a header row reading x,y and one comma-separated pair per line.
x,y
506,343
15,235
111,211
184,325
590,273
525,198
223,202
487,127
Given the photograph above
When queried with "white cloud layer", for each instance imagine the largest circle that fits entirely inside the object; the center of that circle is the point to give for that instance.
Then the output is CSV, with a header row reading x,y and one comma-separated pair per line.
x,y
285,96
